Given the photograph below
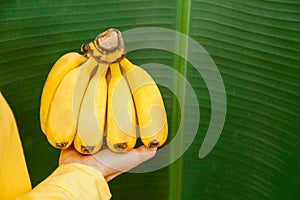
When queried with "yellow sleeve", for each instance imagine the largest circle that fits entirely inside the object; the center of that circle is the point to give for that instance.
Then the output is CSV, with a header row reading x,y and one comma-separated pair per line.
x,y
71,181
14,177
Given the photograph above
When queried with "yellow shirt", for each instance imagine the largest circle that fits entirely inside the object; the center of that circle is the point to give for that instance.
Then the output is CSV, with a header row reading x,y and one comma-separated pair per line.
x,y
69,181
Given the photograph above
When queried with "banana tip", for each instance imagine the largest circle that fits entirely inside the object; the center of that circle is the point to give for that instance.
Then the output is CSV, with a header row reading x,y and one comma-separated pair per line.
x,y
120,146
87,149
154,144
61,145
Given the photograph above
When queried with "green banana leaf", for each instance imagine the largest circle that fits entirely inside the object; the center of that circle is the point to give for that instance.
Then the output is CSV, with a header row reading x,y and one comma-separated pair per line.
x,y
256,48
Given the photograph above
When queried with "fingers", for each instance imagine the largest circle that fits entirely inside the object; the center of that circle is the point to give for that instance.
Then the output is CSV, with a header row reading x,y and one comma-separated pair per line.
x,y
124,161
109,163
68,151
144,153
112,176
69,155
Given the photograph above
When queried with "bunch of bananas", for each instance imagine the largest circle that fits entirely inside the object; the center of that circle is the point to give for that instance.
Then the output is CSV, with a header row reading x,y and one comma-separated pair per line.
x,y
101,94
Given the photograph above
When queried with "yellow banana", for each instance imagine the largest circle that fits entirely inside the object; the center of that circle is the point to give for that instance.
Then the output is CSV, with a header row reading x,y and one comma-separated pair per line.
x,y
63,112
105,45
106,48
121,119
91,120
149,105
62,66
61,124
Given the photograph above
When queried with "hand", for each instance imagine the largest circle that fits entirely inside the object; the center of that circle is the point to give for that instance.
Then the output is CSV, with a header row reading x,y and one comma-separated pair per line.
x,y
109,163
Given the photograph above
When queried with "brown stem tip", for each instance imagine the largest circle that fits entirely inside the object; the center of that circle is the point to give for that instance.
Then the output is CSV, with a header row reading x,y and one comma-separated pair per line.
x,y
61,144
87,149
110,40
153,144
120,146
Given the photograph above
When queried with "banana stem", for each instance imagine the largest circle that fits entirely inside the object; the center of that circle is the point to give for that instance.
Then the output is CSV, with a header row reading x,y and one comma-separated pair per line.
x,y
115,69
